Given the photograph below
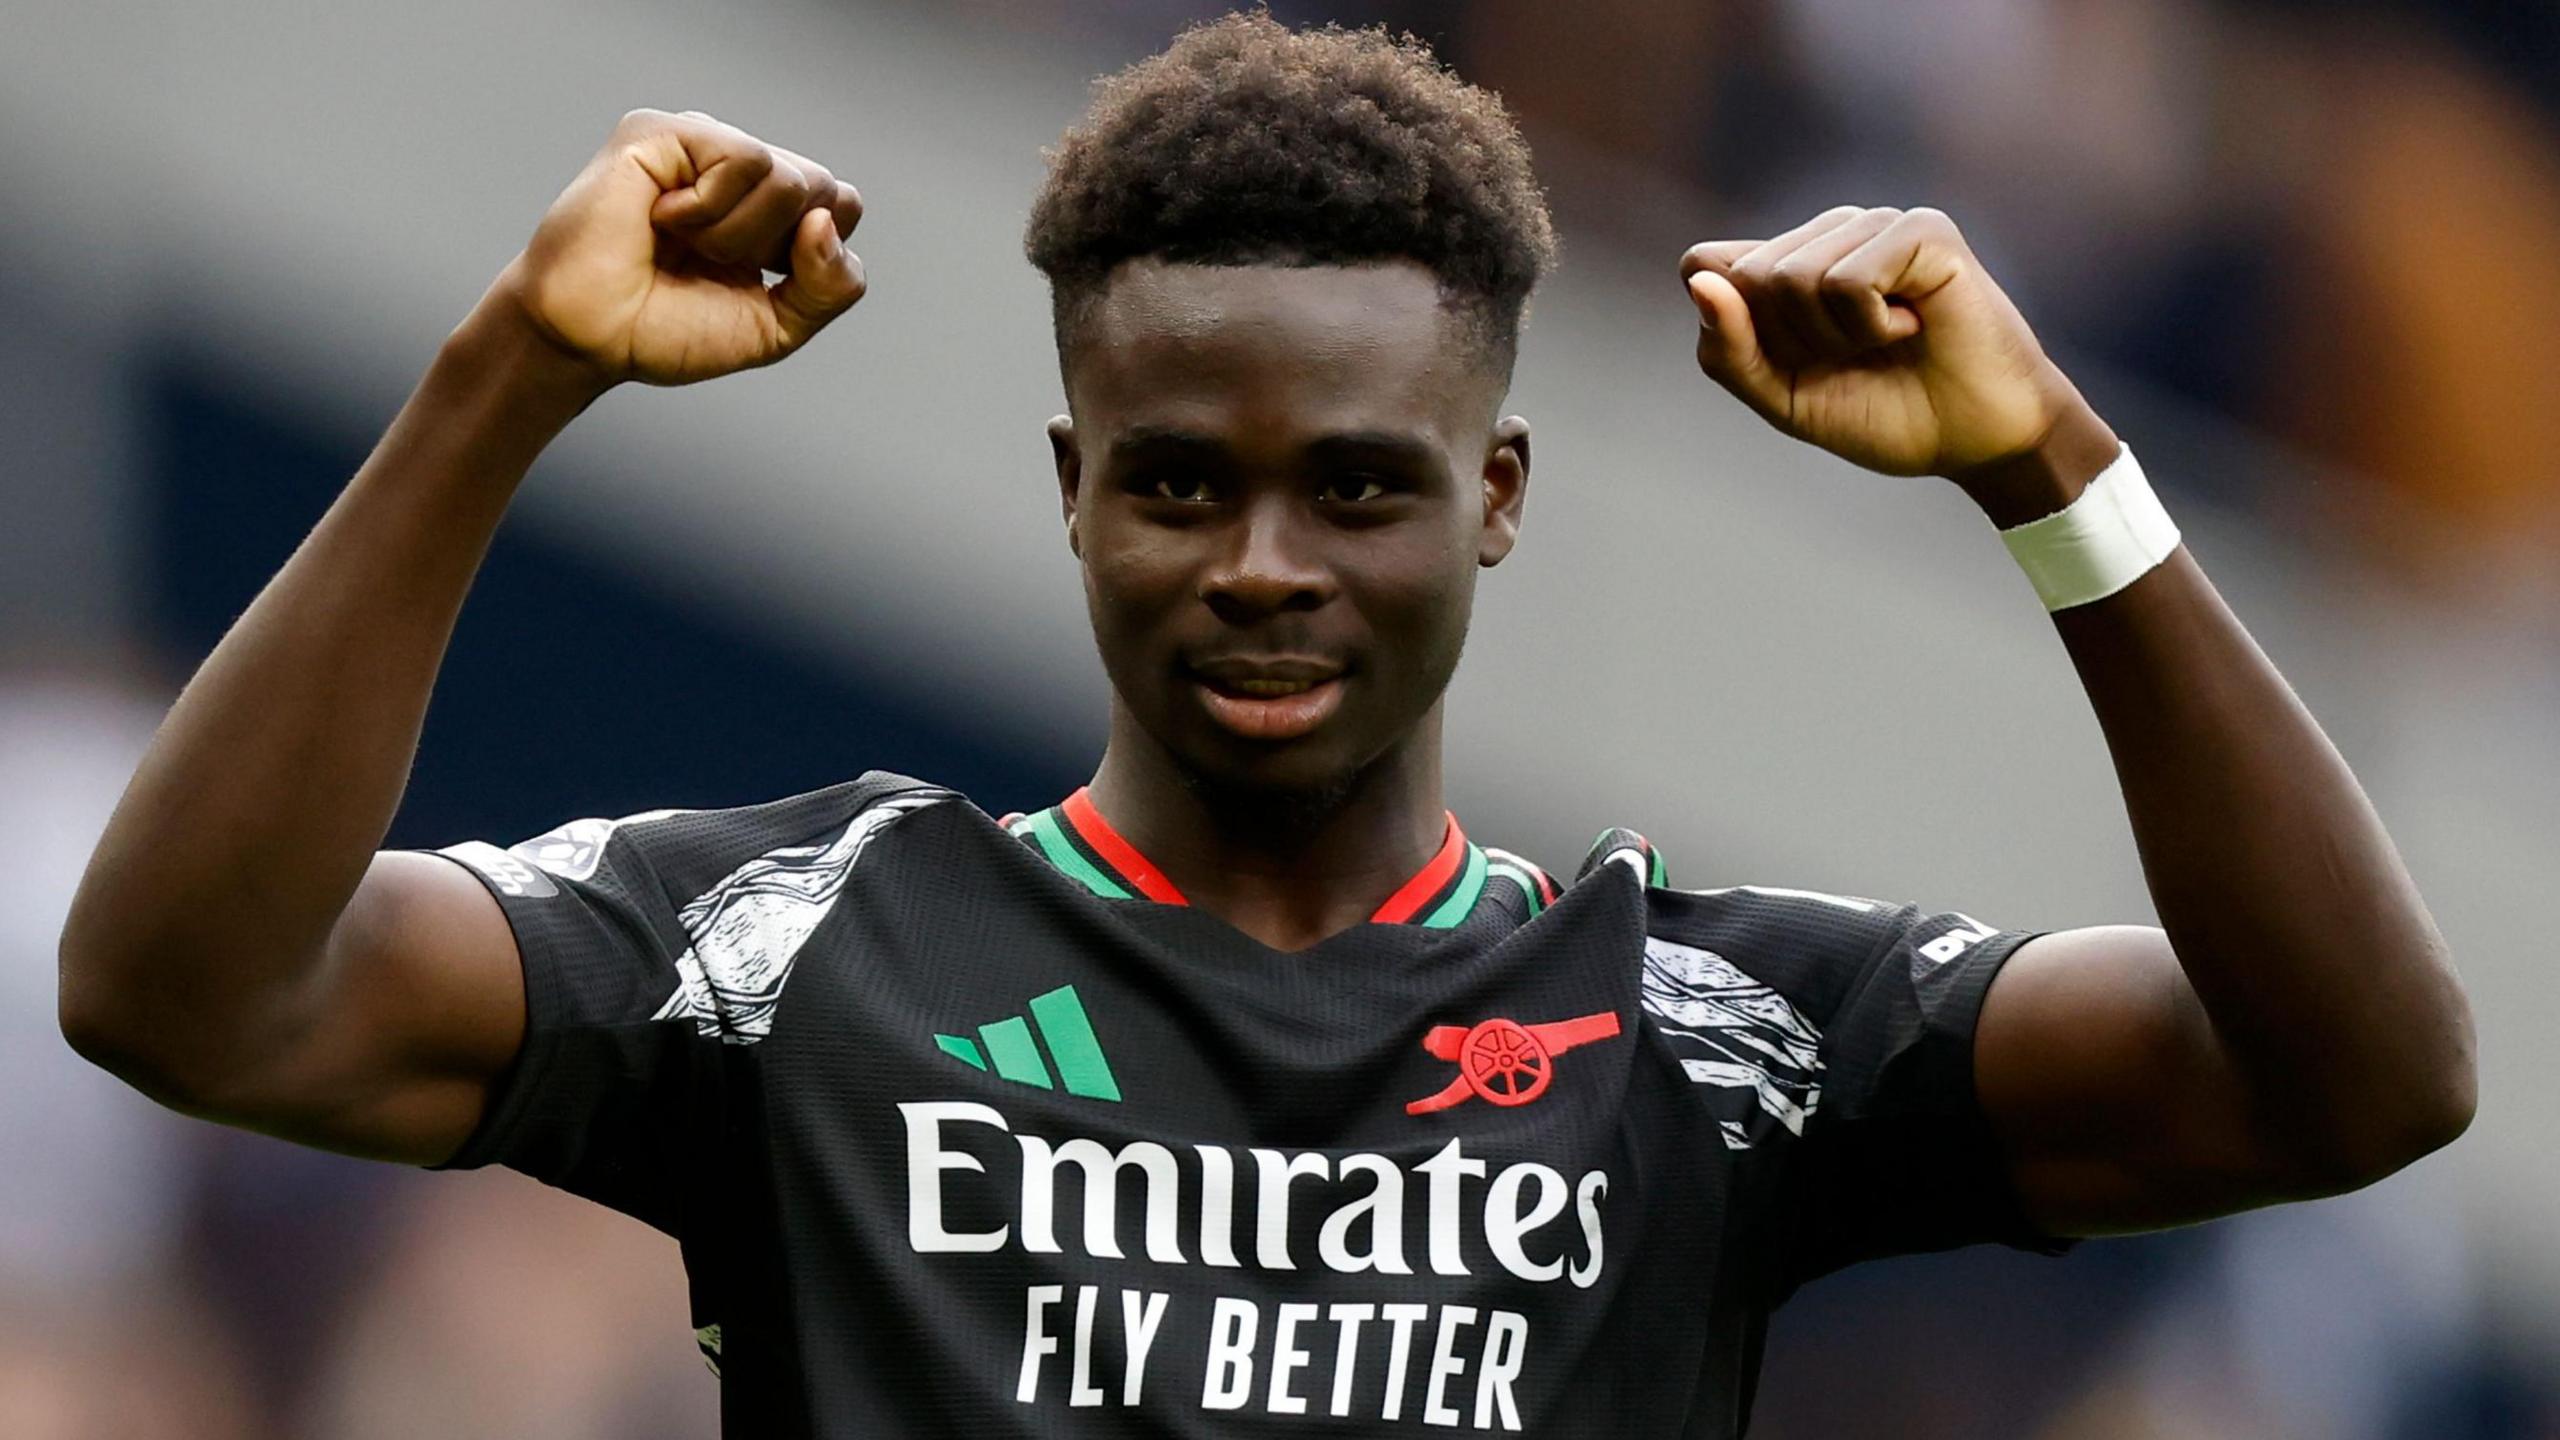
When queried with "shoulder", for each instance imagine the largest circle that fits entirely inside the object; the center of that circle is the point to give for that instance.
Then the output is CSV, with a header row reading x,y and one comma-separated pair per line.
x,y
1767,924
1780,925
685,852
1826,951
1813,946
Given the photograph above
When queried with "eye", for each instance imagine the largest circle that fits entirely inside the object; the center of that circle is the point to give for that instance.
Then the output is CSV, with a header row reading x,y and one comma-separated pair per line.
x,y
1189,489
1352,489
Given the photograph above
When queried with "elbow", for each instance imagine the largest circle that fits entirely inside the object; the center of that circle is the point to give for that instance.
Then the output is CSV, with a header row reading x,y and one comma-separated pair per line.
x,y
2454,1100
2431,1124
2442,1108
150,1069
109,1041
87,1026
2388,1145
113,1037
173,1017
85,987
2421,1108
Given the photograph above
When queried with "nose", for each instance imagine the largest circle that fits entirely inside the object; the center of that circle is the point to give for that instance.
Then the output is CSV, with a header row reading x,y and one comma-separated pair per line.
x,y
1268,565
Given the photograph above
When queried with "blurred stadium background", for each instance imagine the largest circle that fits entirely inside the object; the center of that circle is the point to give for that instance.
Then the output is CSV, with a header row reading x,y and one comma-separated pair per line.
x,y
2303,254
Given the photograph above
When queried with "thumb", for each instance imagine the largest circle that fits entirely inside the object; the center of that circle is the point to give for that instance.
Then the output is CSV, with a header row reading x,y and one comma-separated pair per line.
x,y
825,280
1729,345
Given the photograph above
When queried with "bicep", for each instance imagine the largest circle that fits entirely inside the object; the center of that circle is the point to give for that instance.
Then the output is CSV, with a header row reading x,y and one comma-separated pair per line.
x,y
416,1011
2114,1099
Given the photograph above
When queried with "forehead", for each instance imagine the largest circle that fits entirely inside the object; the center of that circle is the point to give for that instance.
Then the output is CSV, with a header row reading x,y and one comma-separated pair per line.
x,y
1277,348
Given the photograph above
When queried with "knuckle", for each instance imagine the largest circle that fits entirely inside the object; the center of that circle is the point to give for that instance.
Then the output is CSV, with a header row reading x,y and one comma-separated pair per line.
x,y
754,165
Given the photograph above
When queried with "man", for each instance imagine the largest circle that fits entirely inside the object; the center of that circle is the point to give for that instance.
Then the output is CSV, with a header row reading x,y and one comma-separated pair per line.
x,y
1242,1091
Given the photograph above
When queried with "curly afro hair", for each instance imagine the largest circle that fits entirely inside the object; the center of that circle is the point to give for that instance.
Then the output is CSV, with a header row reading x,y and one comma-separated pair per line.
x,y
1247,143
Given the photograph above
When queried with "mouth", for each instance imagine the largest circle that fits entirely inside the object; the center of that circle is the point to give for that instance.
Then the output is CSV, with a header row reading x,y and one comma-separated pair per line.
x,y
1278,700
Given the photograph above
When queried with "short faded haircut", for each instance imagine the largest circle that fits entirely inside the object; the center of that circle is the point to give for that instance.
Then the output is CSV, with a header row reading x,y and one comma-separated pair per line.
x,y
1248,143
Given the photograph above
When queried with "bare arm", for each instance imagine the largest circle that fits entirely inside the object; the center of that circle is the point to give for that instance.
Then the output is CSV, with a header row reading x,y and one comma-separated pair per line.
x,y
204,959
237,948
2296,1028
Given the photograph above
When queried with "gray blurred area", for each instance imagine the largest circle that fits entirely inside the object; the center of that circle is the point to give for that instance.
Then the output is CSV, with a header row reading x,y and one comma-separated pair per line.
x,y
2302,256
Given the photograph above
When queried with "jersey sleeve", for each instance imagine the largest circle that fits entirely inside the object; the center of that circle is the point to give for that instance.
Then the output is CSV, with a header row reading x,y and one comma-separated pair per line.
x,y
637,1002
1864,1064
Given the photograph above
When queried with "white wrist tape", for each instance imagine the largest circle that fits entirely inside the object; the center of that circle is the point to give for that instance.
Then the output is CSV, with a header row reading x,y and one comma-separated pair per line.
x,y
2113,535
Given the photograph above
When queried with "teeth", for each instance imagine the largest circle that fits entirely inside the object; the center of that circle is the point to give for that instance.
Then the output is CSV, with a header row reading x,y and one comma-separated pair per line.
x,y
1268,688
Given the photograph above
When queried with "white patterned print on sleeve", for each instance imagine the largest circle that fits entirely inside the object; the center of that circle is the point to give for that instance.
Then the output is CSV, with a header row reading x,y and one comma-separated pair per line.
x,y
746,931
1735,1033
573,851
569,852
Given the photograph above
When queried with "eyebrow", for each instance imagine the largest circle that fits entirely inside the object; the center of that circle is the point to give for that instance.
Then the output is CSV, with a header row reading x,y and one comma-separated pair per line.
x,y
1141,441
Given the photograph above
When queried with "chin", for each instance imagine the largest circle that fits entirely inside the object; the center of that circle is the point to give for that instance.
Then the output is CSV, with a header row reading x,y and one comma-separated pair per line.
x,y
1285,804
1300,782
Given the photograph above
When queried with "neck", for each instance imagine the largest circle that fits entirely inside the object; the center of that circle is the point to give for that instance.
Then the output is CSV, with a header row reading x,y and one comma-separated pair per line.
x,y
1288,867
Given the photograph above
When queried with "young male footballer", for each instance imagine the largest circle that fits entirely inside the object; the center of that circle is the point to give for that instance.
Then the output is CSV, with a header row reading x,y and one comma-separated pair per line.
x,y
1244,1091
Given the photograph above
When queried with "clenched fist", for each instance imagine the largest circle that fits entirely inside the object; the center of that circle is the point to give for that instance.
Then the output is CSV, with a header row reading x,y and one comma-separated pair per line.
x,y
1876,335
650,266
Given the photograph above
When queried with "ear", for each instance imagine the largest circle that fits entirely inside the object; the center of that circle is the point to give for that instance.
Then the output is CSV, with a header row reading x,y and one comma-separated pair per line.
x,y
1062,449
1506,490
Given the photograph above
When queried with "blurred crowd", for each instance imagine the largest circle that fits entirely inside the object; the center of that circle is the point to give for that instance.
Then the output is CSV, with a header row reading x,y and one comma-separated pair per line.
x,y
163,1279
2333,224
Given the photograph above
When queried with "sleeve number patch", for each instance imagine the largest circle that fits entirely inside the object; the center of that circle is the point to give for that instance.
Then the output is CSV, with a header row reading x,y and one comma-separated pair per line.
x,y
510,875
1969,933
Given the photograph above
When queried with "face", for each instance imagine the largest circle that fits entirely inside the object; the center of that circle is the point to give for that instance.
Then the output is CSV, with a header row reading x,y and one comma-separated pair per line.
x,y
1281,483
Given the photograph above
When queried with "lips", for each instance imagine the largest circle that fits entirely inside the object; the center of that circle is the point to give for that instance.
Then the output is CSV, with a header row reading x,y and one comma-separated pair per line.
x,y
1261,689
1274,698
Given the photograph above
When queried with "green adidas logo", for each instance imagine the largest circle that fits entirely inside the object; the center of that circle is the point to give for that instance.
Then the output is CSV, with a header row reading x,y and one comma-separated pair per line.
x,y
1062,1027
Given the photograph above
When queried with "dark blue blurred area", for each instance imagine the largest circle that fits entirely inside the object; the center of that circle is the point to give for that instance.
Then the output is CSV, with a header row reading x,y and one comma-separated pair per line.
x,y
2035,1331
572,688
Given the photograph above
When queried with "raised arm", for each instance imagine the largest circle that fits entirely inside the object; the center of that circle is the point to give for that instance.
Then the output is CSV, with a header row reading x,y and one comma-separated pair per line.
x,y
237,949
2295,1027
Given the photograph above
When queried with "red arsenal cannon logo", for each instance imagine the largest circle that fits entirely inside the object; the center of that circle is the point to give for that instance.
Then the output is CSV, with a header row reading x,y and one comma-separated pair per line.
x,y
1505,1061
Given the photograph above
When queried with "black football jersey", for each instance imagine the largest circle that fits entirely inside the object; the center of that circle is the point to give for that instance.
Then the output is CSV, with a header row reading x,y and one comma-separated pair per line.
x,y
974,1127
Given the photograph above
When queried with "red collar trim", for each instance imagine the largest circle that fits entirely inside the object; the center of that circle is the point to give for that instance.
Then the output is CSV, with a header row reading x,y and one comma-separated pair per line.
x,y
1427,882
1150,881
1135,868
